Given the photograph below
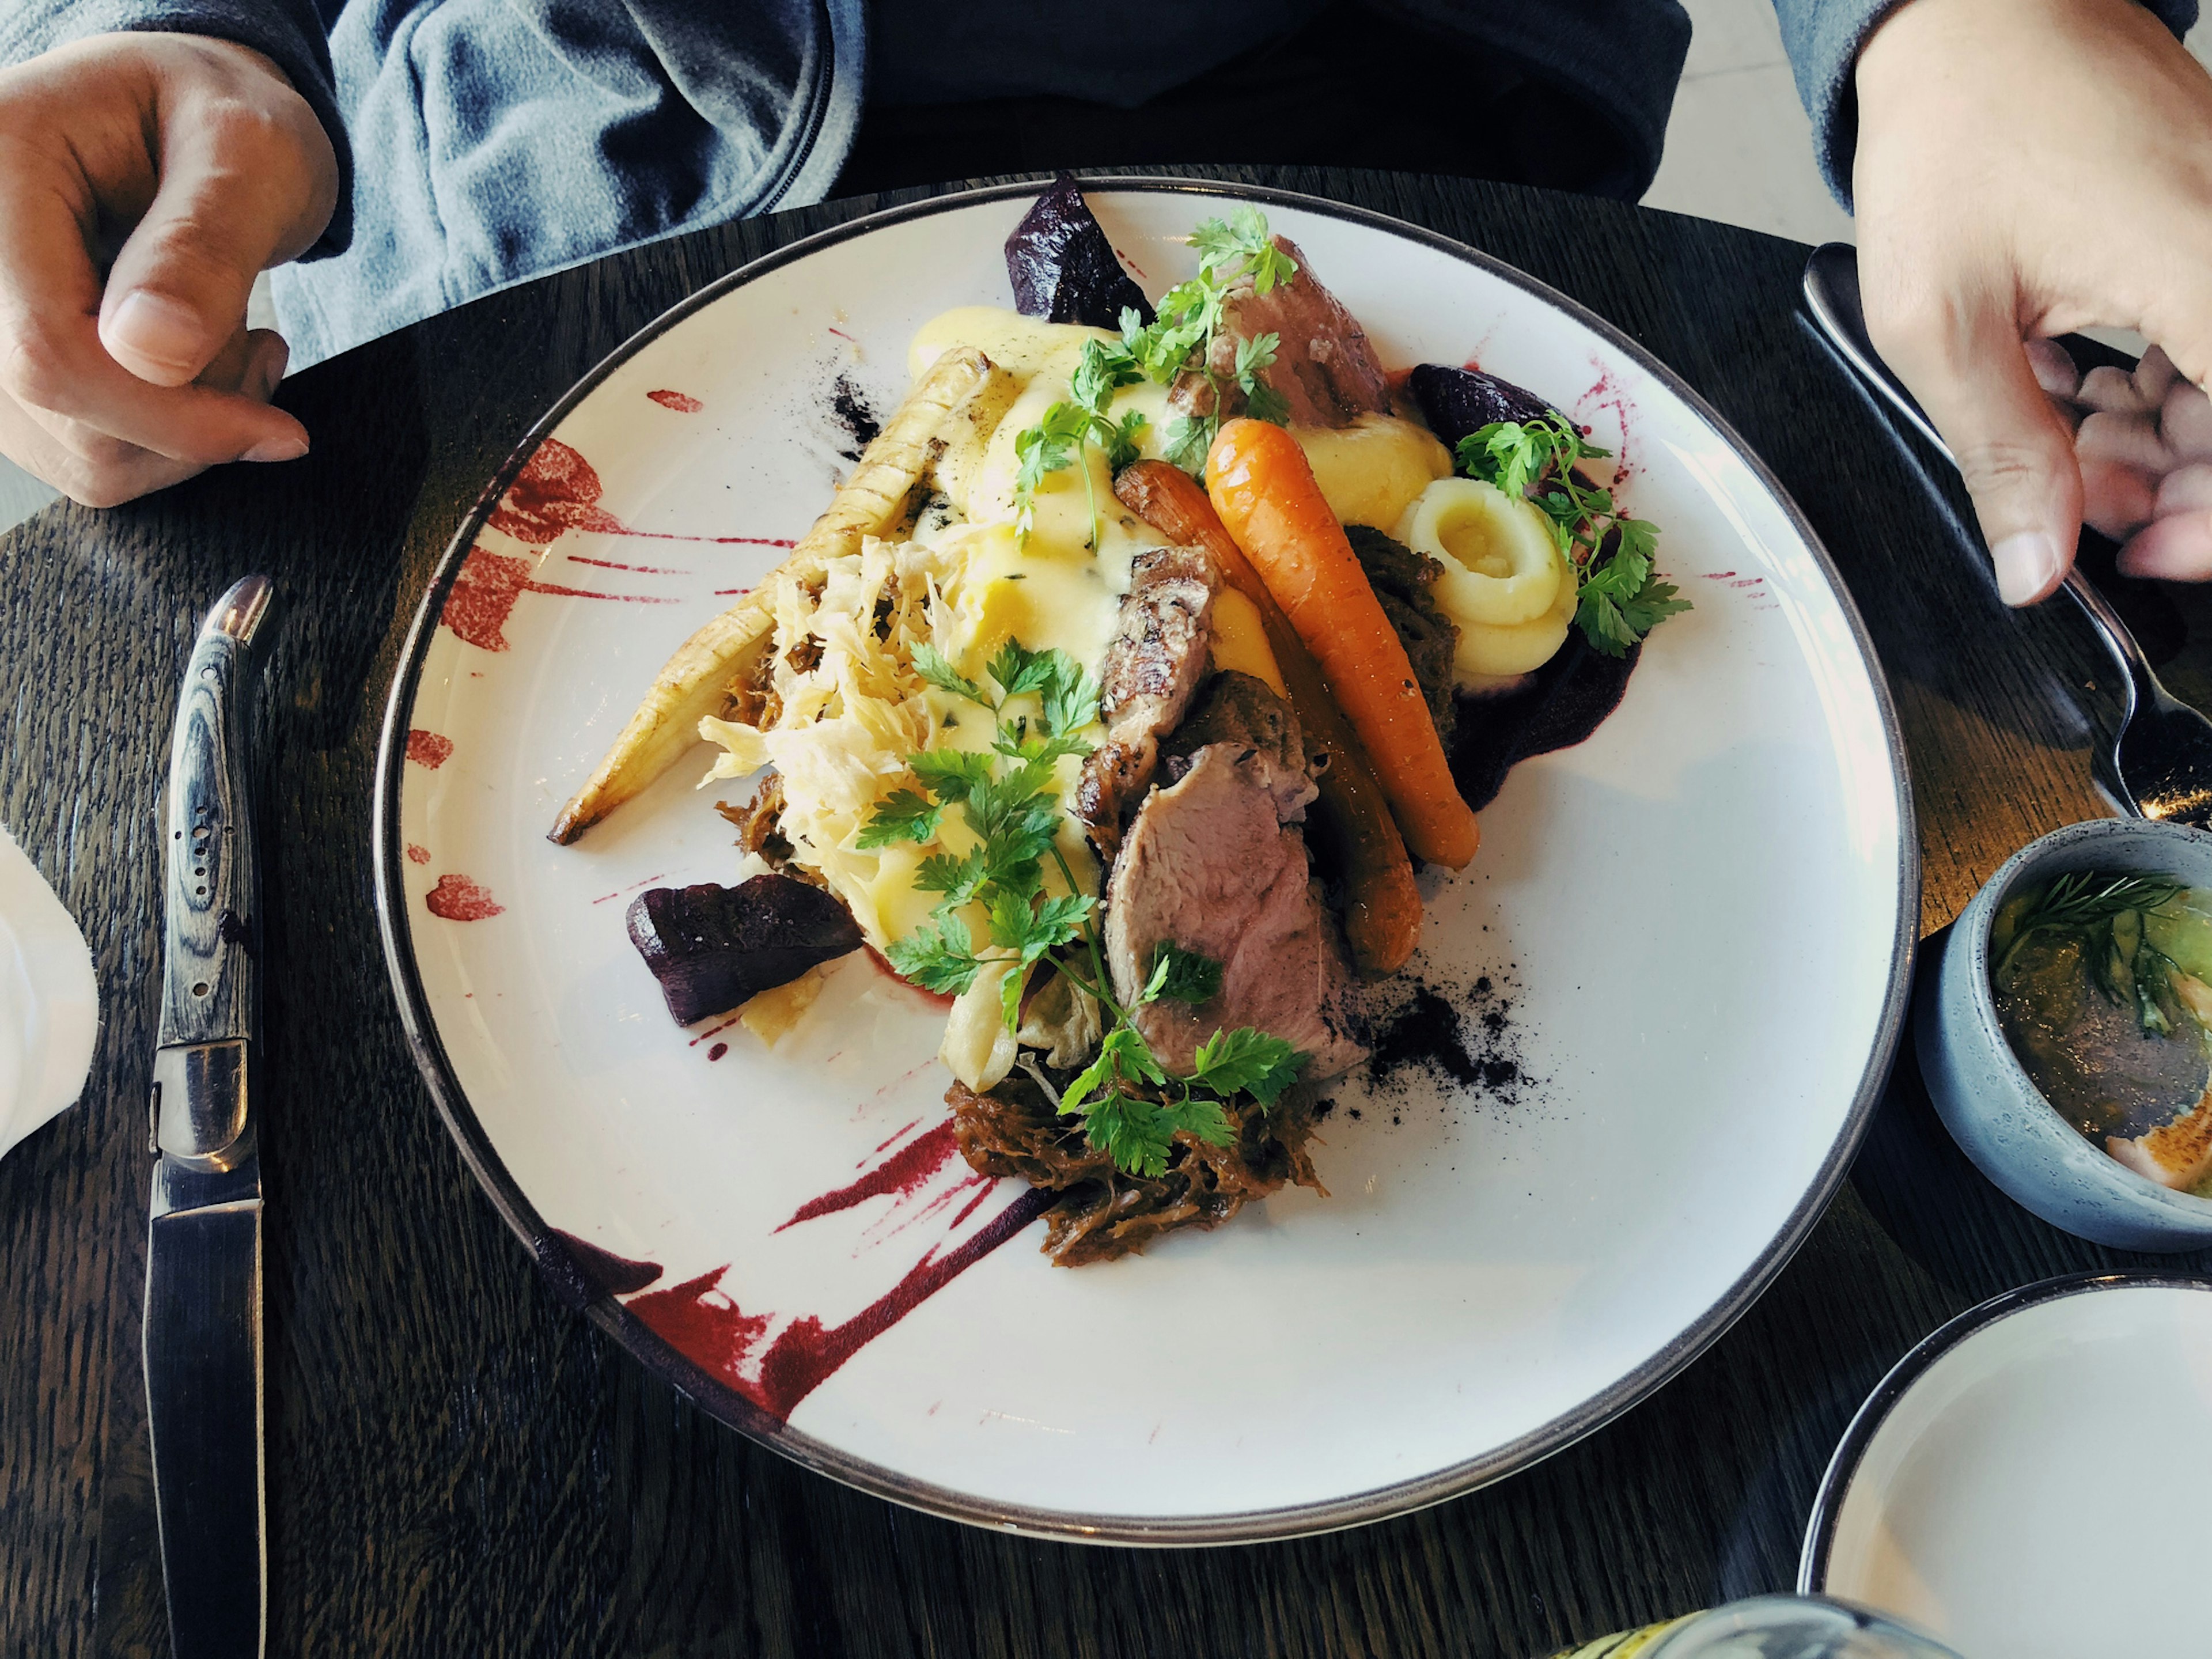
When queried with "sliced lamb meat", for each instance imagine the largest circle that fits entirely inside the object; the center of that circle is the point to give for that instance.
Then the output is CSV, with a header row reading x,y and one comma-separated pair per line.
x,y
1157,657
1101,1213
1324,367
1238,710
1209,864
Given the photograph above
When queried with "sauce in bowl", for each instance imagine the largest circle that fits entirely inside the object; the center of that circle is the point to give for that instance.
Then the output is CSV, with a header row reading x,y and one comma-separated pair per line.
x,y
2103,983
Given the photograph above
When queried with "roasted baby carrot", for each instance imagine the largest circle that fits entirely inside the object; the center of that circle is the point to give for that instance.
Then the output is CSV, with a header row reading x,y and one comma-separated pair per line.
x,y
1352,820
1265,492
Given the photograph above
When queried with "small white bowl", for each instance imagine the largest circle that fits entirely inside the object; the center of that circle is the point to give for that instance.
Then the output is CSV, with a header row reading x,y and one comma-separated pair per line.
x,y
2030,1480
1993,1110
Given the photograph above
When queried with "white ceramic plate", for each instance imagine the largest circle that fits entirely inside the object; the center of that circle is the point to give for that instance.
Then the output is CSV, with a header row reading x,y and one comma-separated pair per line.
x,y
2029,1481
1702,919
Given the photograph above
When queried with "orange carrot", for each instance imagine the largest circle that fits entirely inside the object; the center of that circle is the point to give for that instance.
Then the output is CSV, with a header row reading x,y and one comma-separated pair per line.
x,y
1352,820
1265,492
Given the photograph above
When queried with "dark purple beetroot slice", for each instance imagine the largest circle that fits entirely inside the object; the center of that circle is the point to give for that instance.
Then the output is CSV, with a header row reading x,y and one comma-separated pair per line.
x,y
1062,267
713,947
1458,401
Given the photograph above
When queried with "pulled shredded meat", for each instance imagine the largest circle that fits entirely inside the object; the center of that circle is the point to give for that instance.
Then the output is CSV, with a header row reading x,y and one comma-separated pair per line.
x,y
1404,582
1100,1213
759,823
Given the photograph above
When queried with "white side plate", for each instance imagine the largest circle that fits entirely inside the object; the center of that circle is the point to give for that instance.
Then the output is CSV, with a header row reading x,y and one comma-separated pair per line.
x,y
2030,1481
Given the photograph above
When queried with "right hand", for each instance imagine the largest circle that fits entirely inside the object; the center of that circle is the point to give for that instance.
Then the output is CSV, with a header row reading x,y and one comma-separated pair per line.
x,y
126,369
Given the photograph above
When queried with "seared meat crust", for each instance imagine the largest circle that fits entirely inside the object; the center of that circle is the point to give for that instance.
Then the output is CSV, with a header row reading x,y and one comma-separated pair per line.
x,y
1325,368
1157,656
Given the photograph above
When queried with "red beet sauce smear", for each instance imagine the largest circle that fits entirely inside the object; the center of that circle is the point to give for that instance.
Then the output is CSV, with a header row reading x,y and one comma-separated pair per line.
x,y
707,1328
456,898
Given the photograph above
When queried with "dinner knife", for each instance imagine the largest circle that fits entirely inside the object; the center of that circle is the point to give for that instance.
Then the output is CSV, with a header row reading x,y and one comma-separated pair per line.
x,y
204,1395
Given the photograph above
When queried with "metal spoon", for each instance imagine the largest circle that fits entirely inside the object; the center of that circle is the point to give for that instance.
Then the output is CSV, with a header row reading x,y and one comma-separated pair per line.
x,y
2161,755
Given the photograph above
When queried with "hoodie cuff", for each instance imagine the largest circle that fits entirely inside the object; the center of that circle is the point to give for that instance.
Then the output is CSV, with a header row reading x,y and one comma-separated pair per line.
x,y
1823,38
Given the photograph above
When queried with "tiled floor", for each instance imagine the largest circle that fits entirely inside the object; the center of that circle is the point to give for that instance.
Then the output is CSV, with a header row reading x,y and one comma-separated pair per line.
x,y
1739,149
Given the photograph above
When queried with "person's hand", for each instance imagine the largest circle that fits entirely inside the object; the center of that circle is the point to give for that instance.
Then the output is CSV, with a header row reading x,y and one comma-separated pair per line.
x,y
2026,169
144,180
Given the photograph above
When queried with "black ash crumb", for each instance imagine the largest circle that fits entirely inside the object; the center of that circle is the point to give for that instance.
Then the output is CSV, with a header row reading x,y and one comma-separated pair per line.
x,y
855,419
1422,1031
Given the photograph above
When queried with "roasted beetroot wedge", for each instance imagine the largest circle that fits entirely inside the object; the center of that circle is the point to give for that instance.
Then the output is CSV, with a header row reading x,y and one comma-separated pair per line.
x,y
1062,267
713,947
1458,401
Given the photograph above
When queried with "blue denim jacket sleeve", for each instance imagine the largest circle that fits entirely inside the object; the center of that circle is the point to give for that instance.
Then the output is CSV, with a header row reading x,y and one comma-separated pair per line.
x,y
511,138
1823,38
486,142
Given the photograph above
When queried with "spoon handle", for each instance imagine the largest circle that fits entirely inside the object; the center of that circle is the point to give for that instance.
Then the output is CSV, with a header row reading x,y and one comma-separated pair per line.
x,y
1831,295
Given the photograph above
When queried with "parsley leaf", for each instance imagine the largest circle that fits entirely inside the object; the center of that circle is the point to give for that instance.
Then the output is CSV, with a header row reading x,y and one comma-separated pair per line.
x,y
1182,976
1071,696
957,879
1031,750
1055,442
1122,448
1122,1055
952,775
901,815
930,664
1020,921
1246,1061
1137,1134
1017,668
1243,244
1189,439
1261,401
939,955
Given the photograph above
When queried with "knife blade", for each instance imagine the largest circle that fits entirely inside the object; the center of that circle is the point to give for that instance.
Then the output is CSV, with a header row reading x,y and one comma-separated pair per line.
x,y
203,1329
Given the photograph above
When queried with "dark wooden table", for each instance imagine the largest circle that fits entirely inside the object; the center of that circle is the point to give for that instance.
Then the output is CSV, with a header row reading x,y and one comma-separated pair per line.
x,y
459,1466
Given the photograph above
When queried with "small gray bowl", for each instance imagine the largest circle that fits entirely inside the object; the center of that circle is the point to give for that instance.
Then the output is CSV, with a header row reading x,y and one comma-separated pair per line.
x,y
1997,1116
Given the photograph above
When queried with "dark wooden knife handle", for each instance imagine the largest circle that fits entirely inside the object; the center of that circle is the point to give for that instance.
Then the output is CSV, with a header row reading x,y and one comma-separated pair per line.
x,y
213,892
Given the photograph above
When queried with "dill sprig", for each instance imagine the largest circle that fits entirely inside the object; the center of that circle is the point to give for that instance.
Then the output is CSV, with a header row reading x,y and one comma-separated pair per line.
x,y
2082,902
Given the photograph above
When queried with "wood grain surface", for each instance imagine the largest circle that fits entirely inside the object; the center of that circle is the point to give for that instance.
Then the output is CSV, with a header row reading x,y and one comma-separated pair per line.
x,y
460,1465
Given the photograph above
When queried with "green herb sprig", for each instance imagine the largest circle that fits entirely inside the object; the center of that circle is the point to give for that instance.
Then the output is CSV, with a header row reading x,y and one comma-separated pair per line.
x,y
1179,338
1131,1108
1064,436
1618,598
2085,903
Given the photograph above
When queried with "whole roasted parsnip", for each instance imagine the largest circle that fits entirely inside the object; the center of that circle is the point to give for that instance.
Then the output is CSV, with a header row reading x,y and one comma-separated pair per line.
x,y
696,681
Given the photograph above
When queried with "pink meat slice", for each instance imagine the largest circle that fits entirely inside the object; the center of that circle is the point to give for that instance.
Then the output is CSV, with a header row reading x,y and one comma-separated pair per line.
x,y
1325,368
1210,864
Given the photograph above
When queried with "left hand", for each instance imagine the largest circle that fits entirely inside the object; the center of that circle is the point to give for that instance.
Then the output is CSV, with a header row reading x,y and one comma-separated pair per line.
x,y
2026,169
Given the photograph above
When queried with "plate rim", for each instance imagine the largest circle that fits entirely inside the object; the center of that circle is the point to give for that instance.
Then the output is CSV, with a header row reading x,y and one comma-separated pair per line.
x,y
1902,1377
576,1290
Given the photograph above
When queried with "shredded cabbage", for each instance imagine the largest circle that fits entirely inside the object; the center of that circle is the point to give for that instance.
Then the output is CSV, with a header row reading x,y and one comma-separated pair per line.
x,y
845,721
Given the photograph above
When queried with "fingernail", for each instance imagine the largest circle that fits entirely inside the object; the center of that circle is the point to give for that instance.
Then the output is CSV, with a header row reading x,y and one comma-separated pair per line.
x,y
276,449
2026,563
159,328
269,372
